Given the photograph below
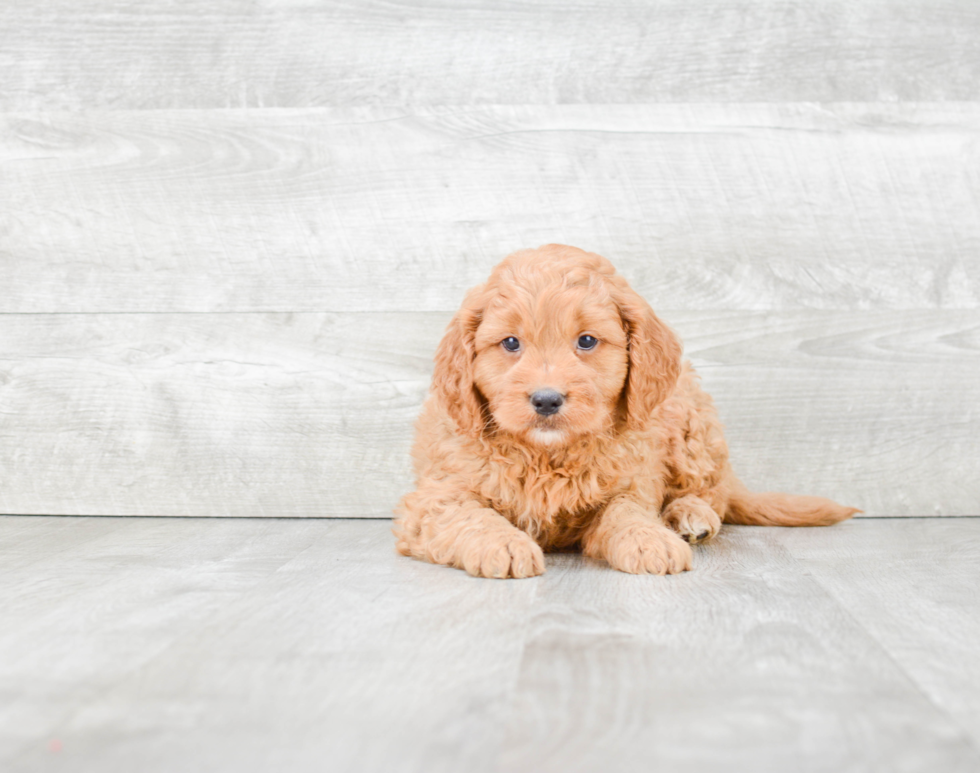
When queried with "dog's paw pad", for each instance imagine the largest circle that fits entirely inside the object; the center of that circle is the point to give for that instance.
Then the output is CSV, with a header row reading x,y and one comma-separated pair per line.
x,y
693,519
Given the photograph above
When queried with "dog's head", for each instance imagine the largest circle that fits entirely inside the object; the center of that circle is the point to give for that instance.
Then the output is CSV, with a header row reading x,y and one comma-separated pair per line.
x,y
554,346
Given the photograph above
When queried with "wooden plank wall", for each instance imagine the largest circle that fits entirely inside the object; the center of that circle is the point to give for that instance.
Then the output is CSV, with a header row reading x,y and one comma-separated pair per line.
x,y
231,234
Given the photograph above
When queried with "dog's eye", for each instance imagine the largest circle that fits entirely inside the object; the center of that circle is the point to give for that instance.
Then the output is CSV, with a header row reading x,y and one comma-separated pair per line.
x,y
511,344
587,342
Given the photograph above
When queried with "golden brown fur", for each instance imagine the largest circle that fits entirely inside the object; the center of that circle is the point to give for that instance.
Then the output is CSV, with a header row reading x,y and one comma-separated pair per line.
x,y
631,469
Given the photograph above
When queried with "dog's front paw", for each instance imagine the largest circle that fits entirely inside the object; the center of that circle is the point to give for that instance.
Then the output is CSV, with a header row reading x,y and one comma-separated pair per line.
x,y
510,553
648,548
692,518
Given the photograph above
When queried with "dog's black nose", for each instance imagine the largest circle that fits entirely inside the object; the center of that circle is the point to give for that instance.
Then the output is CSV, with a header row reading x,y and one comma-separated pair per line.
x,y
547,401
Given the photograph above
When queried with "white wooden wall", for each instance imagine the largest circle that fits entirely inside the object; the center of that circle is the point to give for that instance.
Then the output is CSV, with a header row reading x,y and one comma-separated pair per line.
x,y
232,233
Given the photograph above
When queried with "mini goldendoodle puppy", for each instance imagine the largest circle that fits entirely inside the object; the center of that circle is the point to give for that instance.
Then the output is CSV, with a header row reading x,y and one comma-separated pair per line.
x,y
561,416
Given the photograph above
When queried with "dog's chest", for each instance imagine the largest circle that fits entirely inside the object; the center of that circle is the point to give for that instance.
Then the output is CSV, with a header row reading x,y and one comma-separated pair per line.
x,y
550,501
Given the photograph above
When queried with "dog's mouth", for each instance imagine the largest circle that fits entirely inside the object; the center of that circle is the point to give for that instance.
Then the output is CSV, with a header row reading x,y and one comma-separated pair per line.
x,y
548,430
547,436
554,423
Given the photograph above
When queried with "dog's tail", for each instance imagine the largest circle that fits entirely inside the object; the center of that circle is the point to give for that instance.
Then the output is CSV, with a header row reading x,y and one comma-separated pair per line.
x,y
774,509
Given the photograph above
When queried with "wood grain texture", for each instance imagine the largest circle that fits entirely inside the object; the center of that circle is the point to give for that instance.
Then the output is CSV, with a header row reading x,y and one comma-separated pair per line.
x,y
308,645
243,645
701,206
916,576
59,54
277,415
745,663
311,414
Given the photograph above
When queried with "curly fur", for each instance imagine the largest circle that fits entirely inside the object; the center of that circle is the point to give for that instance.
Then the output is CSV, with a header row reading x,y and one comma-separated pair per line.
x,y
633,467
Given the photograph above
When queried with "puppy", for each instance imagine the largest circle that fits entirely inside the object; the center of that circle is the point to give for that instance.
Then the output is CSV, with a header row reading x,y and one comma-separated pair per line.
x,y
562,417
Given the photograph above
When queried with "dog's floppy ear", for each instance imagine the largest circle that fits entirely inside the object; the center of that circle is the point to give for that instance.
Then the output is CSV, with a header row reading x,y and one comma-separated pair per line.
x,y
654,356
452,377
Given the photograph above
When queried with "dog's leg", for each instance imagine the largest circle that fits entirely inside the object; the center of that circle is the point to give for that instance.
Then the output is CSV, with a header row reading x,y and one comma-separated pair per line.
x,y
634,540
693,518
468,536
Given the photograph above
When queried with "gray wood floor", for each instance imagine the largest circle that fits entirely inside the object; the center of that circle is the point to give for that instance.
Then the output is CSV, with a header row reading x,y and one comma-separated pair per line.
x,y
163,644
